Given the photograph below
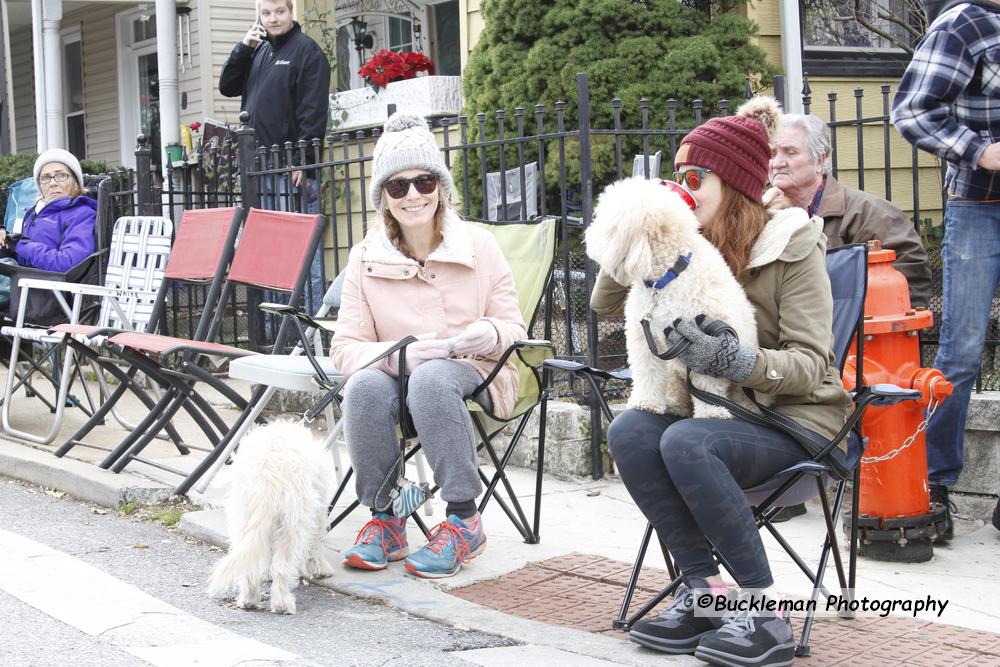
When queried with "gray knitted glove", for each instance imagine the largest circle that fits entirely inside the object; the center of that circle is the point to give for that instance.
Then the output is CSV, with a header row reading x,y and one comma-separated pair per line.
x,y
720,355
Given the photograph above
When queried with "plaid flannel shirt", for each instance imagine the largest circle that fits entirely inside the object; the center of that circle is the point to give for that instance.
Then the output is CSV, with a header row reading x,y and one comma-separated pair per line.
x,y
948,102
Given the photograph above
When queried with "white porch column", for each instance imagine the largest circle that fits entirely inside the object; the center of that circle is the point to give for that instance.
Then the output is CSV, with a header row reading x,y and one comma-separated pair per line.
x,y
166,63
55,121
791,55
38,65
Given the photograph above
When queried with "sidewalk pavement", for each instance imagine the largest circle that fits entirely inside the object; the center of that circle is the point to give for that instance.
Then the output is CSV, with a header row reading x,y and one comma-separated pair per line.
x,y
558,597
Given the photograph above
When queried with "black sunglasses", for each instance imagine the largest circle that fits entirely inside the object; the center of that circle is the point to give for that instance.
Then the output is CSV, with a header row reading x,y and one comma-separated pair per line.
x,y
398,188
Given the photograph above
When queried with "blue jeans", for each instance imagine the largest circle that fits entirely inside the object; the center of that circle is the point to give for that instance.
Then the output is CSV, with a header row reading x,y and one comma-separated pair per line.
x,y
971,256
315,287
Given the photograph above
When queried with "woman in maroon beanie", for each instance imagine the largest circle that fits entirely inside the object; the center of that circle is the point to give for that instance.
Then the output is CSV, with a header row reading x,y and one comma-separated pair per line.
x,y
687,475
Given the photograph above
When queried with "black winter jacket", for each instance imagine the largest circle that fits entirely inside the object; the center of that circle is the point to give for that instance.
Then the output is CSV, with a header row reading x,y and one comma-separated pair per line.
x,y
285,87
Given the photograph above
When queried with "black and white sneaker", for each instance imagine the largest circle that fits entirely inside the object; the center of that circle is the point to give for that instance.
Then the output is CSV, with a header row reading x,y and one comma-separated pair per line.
x,y
749,639
677,629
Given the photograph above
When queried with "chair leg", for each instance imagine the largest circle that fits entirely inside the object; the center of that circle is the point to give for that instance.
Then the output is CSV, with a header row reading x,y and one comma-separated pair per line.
x,y
181,401
207,469
668,560
829,545
540,466
852,567
115,454
620,622
500,475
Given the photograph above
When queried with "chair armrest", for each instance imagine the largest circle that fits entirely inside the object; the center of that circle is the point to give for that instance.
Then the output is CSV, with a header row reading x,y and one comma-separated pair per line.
x,y
81,288
533,353
890,394
285,310
72,274
576,368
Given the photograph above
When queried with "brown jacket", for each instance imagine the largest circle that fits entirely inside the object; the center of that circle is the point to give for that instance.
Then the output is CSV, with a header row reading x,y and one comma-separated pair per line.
x,y
388,296
789,288
853,216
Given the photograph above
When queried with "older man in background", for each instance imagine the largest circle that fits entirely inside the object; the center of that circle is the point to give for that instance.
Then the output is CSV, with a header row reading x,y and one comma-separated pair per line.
x,y
800,169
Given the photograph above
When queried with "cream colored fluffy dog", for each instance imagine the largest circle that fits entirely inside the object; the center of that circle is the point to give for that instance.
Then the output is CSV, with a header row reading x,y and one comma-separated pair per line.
x,y
283,479
640,229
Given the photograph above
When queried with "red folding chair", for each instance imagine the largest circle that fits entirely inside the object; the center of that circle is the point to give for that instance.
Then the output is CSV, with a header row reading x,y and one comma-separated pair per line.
x,y
274,253
199,256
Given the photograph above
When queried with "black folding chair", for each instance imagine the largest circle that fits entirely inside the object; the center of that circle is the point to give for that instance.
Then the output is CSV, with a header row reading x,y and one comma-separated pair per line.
x,y
848,270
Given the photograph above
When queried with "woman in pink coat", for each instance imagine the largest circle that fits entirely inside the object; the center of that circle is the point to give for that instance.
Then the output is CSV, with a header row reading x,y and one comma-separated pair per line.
x,y
421,271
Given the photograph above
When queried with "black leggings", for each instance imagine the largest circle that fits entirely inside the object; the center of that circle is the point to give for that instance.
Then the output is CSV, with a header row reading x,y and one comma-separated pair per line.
x,y
686,476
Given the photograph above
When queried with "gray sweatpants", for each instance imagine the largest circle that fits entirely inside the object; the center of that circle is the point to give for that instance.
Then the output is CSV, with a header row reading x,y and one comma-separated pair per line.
x,y
436,401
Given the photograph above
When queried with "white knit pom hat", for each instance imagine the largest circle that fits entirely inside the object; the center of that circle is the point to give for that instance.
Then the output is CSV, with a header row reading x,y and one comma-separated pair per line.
x,y
63,157
407,143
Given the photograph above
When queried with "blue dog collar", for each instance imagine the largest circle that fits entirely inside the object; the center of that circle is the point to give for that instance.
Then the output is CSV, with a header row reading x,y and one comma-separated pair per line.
x,y
682,263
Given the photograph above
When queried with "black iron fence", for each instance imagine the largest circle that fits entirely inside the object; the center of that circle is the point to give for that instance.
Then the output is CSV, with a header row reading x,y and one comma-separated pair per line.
x,y
513,166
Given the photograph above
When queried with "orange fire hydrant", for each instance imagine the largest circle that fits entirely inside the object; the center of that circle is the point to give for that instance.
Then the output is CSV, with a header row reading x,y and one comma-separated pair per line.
x,y
895,516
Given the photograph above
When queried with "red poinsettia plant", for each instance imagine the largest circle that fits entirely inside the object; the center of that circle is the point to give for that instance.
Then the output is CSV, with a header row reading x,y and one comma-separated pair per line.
x,y
386,66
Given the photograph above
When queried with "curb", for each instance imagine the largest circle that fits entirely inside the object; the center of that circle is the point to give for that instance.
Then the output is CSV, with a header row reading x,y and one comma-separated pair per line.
x,y
427,600
82,480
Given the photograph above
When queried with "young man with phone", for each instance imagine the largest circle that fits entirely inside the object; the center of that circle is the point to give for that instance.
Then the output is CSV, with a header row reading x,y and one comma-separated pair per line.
x,y
283,77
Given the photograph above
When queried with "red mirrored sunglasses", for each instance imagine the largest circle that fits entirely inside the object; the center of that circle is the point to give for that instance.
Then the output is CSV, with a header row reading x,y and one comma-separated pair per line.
x,y
692,178
397,188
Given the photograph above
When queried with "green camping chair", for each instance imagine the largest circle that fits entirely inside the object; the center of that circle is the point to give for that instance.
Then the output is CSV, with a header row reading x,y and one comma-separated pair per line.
x,y
530,250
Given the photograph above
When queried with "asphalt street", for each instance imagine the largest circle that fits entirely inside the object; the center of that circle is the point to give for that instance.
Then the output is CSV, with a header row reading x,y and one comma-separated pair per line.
x,y
162,563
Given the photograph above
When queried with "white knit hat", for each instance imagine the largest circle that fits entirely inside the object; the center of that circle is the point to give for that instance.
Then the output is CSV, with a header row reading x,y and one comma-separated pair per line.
x,y
63,157
406,143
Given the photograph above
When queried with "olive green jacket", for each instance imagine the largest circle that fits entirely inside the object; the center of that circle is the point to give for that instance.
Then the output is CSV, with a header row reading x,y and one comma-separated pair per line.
x,y
787,283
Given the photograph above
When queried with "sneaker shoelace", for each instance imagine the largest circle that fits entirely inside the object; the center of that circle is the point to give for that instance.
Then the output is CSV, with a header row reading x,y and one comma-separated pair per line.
x,y
682,604
376,530
738,622
444,535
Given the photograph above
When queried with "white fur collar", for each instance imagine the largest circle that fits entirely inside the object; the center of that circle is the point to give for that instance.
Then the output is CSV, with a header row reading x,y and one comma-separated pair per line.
x,y
777,235
456,246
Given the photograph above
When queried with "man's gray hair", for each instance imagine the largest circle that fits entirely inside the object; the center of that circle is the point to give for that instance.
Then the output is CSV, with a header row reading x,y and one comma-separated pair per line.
x,y
816,132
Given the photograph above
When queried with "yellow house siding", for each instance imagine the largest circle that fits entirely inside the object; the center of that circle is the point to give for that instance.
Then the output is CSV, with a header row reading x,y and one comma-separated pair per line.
x,y
23,84
873,144
471,27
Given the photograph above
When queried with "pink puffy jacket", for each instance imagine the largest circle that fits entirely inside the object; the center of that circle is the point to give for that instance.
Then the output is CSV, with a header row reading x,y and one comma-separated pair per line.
x,y
388,296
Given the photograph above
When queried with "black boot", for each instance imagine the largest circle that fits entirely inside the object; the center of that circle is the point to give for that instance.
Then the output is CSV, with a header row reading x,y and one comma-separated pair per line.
x,y
939,496
789,512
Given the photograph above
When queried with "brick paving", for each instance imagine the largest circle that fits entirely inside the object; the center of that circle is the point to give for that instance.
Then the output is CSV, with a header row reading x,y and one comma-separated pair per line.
x,y
584,592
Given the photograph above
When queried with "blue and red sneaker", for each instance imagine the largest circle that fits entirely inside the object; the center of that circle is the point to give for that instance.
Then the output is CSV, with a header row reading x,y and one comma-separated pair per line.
x,y
381,540
451,544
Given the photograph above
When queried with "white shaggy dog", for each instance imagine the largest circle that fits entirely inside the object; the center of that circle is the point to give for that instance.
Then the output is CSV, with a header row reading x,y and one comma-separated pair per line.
x,y
283,479
640,229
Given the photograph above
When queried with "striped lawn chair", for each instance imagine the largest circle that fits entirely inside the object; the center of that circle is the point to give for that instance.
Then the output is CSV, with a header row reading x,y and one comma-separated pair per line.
x,y
137,254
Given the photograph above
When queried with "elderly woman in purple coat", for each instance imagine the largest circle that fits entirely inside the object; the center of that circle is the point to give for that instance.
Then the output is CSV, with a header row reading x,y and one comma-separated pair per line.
x,y
58,233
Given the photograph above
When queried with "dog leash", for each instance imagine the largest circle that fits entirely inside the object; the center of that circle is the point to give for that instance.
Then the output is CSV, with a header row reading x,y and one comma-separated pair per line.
x,y
657,286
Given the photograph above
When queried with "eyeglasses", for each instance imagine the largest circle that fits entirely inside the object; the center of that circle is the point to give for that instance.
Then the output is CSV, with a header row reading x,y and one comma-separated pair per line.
x,y
692,178
58,177
398,188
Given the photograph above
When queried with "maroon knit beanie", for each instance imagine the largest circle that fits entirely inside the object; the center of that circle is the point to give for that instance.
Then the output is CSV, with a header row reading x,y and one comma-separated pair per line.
x,y
736,148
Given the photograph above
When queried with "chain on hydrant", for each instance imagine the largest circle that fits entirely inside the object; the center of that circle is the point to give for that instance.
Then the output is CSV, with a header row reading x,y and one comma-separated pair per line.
x,y
896,519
